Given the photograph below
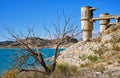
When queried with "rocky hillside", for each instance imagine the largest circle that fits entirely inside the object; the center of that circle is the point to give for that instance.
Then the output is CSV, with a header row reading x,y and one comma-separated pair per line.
x,y
6,43
39,42
31,41
99,57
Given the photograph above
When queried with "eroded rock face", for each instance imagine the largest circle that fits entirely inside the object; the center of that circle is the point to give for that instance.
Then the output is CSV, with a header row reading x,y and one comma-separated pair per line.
x,y
106,47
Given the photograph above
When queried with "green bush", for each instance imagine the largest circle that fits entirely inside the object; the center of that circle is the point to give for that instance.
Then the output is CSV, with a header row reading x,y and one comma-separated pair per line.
x,y
62,67
92,58
99,51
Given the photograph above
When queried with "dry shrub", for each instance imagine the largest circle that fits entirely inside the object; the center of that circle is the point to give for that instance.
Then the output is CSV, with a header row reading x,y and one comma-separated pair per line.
x,y
115,47
13,73
65,71
10,74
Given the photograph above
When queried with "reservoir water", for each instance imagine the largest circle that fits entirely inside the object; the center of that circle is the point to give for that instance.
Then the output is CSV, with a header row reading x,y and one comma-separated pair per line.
x,y
7,53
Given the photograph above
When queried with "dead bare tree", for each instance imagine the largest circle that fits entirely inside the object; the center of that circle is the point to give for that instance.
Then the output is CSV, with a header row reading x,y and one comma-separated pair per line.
x,y
20,60
61,31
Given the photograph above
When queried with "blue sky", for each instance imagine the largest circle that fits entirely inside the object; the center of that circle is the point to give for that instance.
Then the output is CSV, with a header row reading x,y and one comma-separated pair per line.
x,y
20,14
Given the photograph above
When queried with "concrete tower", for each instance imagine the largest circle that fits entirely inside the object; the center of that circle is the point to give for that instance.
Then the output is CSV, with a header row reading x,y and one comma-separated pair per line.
x,y
104,23
86,24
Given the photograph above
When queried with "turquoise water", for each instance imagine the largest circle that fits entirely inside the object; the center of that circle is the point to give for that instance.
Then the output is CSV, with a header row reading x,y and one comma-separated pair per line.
x,y
6,55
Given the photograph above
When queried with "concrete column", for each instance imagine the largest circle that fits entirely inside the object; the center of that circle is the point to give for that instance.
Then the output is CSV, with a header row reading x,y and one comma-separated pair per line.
x,y
87,34
104,23
117,20
86,24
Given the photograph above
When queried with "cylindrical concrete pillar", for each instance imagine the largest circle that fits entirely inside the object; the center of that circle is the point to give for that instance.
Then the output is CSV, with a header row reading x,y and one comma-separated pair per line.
x,y
104,23
117,20
87,35
86,12
86,24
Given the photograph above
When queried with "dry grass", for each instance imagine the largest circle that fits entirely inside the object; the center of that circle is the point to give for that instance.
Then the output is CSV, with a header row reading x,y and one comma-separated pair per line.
x,y
10,74
62,70
112,29
115,47
13,73
65,71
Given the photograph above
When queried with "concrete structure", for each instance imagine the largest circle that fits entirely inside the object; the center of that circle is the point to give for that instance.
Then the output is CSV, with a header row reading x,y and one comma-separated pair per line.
x,y
87,21
104,23
86,24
